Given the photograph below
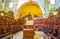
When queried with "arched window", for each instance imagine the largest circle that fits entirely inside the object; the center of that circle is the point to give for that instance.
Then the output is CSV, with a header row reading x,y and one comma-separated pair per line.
x,y
52,2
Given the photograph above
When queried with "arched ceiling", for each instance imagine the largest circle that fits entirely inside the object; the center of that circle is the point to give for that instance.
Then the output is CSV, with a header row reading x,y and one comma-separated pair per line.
x,y
29,8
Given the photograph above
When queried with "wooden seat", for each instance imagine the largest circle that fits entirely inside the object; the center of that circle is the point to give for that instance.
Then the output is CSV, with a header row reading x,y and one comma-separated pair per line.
x,y
0,30
4,29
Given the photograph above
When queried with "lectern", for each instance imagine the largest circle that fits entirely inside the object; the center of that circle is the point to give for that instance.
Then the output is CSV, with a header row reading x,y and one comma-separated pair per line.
x,y
28,33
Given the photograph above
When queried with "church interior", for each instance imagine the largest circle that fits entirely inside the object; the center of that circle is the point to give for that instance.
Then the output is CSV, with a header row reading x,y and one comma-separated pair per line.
x,y
29,19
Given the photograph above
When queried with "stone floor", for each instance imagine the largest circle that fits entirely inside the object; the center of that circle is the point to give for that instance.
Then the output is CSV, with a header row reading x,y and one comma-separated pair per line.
x,y
18,35
38,35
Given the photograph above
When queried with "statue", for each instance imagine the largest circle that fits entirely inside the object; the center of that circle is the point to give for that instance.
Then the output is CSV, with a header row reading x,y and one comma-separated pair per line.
x,y
29,17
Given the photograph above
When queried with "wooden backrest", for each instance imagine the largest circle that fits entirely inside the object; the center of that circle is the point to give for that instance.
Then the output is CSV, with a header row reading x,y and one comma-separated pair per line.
x,y
4,29
0,30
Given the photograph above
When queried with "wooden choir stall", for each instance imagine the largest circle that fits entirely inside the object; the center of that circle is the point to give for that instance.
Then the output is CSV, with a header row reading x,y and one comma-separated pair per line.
x,y
5,32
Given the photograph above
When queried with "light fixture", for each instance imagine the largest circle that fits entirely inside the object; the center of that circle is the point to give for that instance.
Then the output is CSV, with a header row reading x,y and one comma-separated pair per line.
x,y
2,14
55,13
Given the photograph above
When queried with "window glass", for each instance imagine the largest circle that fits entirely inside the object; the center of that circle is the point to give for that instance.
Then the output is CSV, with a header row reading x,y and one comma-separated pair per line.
x,y
52,1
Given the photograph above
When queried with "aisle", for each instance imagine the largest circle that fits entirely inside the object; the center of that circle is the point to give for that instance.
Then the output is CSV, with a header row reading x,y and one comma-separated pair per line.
x,y
38,35
18,35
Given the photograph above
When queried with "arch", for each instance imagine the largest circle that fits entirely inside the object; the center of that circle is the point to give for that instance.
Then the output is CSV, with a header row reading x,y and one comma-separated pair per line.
x,y
30,7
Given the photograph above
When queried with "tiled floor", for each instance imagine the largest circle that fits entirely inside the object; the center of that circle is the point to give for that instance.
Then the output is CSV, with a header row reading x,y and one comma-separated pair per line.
x,y
38,35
